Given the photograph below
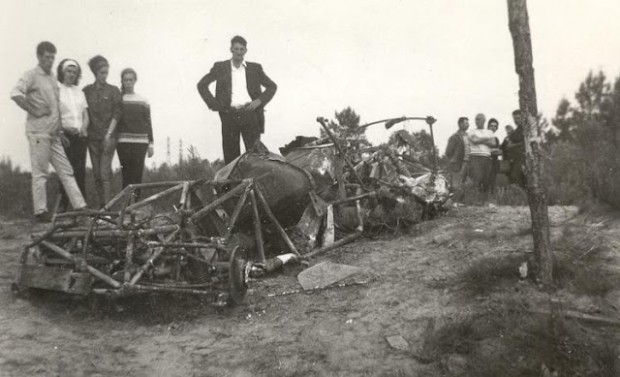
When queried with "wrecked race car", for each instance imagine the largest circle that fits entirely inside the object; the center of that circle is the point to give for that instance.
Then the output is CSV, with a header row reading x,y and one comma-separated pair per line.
x,y
129,248
211,238
188,237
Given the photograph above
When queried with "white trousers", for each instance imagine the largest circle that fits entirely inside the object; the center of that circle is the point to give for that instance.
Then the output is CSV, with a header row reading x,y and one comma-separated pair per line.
x,y
46,149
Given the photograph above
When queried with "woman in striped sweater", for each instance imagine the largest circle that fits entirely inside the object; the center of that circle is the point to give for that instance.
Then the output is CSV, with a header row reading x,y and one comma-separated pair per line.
x,y
135,133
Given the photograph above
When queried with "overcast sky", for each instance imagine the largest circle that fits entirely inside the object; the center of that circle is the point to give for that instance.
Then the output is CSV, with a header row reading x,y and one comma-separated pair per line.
x,y
384,58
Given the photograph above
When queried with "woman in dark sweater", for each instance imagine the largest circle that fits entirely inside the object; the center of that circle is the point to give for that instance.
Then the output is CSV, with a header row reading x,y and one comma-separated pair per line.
x,y
135,134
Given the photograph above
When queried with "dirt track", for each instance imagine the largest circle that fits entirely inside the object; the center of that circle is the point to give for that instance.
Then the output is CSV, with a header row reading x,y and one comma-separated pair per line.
x,y
337,332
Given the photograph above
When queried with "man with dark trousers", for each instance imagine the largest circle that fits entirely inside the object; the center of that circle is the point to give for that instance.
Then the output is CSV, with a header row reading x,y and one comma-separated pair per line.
x,y
516,149
239,98
481,140
457,154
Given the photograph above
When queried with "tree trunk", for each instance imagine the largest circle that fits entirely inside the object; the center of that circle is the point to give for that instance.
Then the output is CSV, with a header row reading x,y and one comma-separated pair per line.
x,y
520,31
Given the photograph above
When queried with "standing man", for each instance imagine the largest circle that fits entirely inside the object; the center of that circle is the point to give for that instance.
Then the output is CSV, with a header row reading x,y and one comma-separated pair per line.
x,y
493,126
239,98
482,141
504,147
457,154
37,93
516,149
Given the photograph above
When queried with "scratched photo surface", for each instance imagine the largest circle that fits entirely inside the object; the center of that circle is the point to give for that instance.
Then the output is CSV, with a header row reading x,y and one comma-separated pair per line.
x,y
364,235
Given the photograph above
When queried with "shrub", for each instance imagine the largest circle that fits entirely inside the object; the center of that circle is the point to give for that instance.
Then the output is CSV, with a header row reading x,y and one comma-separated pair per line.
x,y
565,178
16,191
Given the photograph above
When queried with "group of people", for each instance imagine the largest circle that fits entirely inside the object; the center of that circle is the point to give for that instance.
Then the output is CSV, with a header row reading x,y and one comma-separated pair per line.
x,y
474,157
63,121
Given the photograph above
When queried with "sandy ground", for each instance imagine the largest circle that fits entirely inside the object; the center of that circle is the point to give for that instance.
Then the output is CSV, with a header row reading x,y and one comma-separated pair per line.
x,y
336,332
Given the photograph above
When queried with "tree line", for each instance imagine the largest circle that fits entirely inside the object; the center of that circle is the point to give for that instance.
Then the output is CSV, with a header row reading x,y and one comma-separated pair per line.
x,y
583,141
581,148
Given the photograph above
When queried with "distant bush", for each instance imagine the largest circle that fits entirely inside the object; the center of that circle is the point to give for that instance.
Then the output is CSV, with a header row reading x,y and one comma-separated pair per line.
x,y
190,168
16,189
583,159
566,174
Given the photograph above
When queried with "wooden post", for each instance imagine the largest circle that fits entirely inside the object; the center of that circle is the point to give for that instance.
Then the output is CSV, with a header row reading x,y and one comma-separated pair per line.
x,y
520,31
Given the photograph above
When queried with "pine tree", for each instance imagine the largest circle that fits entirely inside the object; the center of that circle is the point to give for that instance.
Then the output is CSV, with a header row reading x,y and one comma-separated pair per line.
x,y
347,130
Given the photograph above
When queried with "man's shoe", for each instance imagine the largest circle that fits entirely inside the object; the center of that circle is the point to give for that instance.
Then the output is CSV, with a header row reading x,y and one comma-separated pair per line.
x,y
43,217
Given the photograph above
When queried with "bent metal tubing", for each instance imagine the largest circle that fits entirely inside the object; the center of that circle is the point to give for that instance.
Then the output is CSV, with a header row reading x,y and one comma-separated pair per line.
x,y
130,283
133,289
93,271
116,233
274,221
149,262
217,202
81,263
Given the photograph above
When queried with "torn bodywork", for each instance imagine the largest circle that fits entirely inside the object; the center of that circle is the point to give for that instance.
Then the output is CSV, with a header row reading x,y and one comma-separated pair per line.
x,y
401,187
189,237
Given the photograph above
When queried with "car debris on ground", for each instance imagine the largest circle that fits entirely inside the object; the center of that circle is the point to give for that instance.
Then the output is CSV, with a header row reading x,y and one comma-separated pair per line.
x,y
211,238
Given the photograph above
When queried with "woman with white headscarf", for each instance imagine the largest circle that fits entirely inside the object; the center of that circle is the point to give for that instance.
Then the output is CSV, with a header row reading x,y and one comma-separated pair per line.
x,y
74,120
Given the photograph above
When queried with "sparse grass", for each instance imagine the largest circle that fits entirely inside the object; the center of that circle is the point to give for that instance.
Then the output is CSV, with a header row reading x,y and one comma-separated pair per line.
x,y
475,232
577,267
7,235
509,195
457,337
513,342
527,231
485,275
577,264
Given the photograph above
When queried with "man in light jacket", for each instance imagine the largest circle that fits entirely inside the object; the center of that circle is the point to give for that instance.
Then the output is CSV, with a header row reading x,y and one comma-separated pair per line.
x,y
37,93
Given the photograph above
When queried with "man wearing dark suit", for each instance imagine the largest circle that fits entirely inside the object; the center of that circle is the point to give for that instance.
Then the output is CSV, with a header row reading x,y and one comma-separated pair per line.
x,y
239,98
457,154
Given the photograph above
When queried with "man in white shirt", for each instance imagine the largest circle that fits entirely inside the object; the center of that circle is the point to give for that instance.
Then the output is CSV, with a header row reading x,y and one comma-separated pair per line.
x,y
239,98
482,141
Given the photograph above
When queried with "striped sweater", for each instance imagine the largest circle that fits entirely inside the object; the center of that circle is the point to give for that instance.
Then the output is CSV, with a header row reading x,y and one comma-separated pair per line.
x,y
135,124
